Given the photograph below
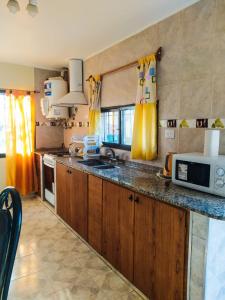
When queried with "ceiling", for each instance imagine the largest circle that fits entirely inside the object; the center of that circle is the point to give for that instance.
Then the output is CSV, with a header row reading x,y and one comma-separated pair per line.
x,y
75,28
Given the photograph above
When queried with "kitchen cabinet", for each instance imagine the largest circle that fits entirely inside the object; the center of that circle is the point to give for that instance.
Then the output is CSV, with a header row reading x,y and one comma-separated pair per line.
x,y
63,193
170,251
37,159
118,218
144,243
78,201
72,198
160,249
95,212
145,240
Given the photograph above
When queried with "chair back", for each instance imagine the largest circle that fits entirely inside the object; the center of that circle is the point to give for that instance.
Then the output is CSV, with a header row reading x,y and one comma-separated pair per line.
x,y
10,227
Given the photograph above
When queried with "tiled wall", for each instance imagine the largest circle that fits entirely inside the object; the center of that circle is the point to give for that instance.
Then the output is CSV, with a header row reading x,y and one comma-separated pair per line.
x,y
191,75
215,267
81,120
46,136
197,256
206,258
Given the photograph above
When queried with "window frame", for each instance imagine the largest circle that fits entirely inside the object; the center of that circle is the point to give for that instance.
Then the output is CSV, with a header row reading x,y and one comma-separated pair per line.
x,y
2,155
119,109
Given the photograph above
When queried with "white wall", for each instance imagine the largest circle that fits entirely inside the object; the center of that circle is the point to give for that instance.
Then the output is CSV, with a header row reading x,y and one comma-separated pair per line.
x,y
2,173
215,266
14,77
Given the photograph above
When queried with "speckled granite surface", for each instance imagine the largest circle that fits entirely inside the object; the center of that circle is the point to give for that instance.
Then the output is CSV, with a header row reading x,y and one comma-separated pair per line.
x,y
146,182
48,150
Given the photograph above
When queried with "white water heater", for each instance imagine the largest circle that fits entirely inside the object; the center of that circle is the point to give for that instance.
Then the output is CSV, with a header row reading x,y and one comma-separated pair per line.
x,y
54,88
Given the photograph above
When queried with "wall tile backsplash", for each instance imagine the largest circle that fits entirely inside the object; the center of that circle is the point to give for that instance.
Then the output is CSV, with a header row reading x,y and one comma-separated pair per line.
x,y
217,123
191,74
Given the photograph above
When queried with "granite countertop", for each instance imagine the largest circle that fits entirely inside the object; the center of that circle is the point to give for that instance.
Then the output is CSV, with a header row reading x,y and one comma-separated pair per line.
x,y
146,182
43,151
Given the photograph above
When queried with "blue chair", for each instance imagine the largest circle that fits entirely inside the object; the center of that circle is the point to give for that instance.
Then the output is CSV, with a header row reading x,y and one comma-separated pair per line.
x,y
10,227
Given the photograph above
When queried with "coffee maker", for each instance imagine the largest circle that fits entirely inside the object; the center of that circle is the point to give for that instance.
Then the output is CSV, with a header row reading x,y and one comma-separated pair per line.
x,y
167,170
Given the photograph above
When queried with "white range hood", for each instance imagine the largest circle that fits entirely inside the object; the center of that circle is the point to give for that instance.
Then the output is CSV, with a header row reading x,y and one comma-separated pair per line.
x,y
76,95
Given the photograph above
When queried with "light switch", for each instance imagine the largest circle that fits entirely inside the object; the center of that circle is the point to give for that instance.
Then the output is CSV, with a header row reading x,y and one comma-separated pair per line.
x,y
169,134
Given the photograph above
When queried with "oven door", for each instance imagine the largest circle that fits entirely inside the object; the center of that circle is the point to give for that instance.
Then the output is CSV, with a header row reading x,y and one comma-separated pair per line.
x,y
49,183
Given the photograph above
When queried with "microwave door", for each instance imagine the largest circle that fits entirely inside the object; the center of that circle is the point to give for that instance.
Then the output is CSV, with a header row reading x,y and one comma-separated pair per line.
x,y
193,172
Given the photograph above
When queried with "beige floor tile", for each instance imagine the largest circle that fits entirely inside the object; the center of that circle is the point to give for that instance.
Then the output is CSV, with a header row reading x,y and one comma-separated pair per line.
x,y
25,266
114,295
91,278
135,296
30,287
75,293
24,249
91,261
54,263
114,282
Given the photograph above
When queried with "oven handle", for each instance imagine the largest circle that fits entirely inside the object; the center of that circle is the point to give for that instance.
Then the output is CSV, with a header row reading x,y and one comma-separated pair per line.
x,y
49,165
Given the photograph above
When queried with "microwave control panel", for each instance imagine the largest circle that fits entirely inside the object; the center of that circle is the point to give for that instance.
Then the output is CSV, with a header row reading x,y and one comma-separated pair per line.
x,y
219,177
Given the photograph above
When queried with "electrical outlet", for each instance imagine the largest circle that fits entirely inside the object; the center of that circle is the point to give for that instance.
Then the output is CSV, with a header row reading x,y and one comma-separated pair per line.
x,y
169,134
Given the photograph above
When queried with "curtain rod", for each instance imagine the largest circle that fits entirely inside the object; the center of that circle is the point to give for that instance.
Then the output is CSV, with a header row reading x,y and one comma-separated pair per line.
x,y
158,55
16,90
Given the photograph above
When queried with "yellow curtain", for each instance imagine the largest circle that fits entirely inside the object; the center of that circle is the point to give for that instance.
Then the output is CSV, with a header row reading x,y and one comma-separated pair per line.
x,y
144,142
94,101
20,132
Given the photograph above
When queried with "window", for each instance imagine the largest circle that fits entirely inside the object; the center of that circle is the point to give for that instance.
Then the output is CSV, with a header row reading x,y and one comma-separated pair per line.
x,y
2,124
117,126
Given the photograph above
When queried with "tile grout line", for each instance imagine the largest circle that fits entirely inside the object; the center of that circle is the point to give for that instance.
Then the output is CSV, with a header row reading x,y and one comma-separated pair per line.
x,y
134,289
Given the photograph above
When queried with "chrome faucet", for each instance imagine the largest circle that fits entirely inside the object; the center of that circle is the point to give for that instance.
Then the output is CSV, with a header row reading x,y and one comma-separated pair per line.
x,y
110,153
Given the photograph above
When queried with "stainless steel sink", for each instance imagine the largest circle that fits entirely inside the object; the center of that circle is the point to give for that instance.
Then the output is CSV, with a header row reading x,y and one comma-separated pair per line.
x,y
91,162
105,167
97,163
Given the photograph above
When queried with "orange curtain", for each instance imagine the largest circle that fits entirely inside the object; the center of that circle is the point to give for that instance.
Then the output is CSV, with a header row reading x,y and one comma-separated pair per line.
x,y
20,133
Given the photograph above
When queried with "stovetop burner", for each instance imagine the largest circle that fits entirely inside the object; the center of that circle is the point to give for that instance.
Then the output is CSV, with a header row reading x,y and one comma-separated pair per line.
x,y
60,154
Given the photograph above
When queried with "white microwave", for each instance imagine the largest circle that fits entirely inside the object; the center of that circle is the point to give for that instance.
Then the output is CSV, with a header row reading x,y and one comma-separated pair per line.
x,y
199,172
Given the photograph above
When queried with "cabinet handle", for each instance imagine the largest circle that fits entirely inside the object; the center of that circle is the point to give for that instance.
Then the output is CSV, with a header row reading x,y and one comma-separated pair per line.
x,y
130,197
136,199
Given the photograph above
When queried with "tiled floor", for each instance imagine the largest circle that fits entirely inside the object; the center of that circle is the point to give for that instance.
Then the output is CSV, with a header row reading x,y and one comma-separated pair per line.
x,y
53,263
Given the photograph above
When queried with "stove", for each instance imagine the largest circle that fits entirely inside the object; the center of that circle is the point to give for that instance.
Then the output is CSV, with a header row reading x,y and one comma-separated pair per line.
x,y
49,158
49,174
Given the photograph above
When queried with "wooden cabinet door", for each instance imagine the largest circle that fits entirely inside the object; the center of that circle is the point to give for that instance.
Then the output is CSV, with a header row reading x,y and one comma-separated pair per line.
x,y
170,253
143,244
110,232
63,192
160,249
78,201
38,158
95,212
118,218
126,233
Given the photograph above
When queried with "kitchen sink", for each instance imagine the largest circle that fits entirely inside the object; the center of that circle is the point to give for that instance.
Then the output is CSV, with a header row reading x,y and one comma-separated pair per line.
x,y
105,167
97,163
92,162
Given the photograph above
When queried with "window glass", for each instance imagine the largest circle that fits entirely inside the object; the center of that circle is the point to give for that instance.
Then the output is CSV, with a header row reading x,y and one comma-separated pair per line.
x,y
117,126
2,123
127,120
110,127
